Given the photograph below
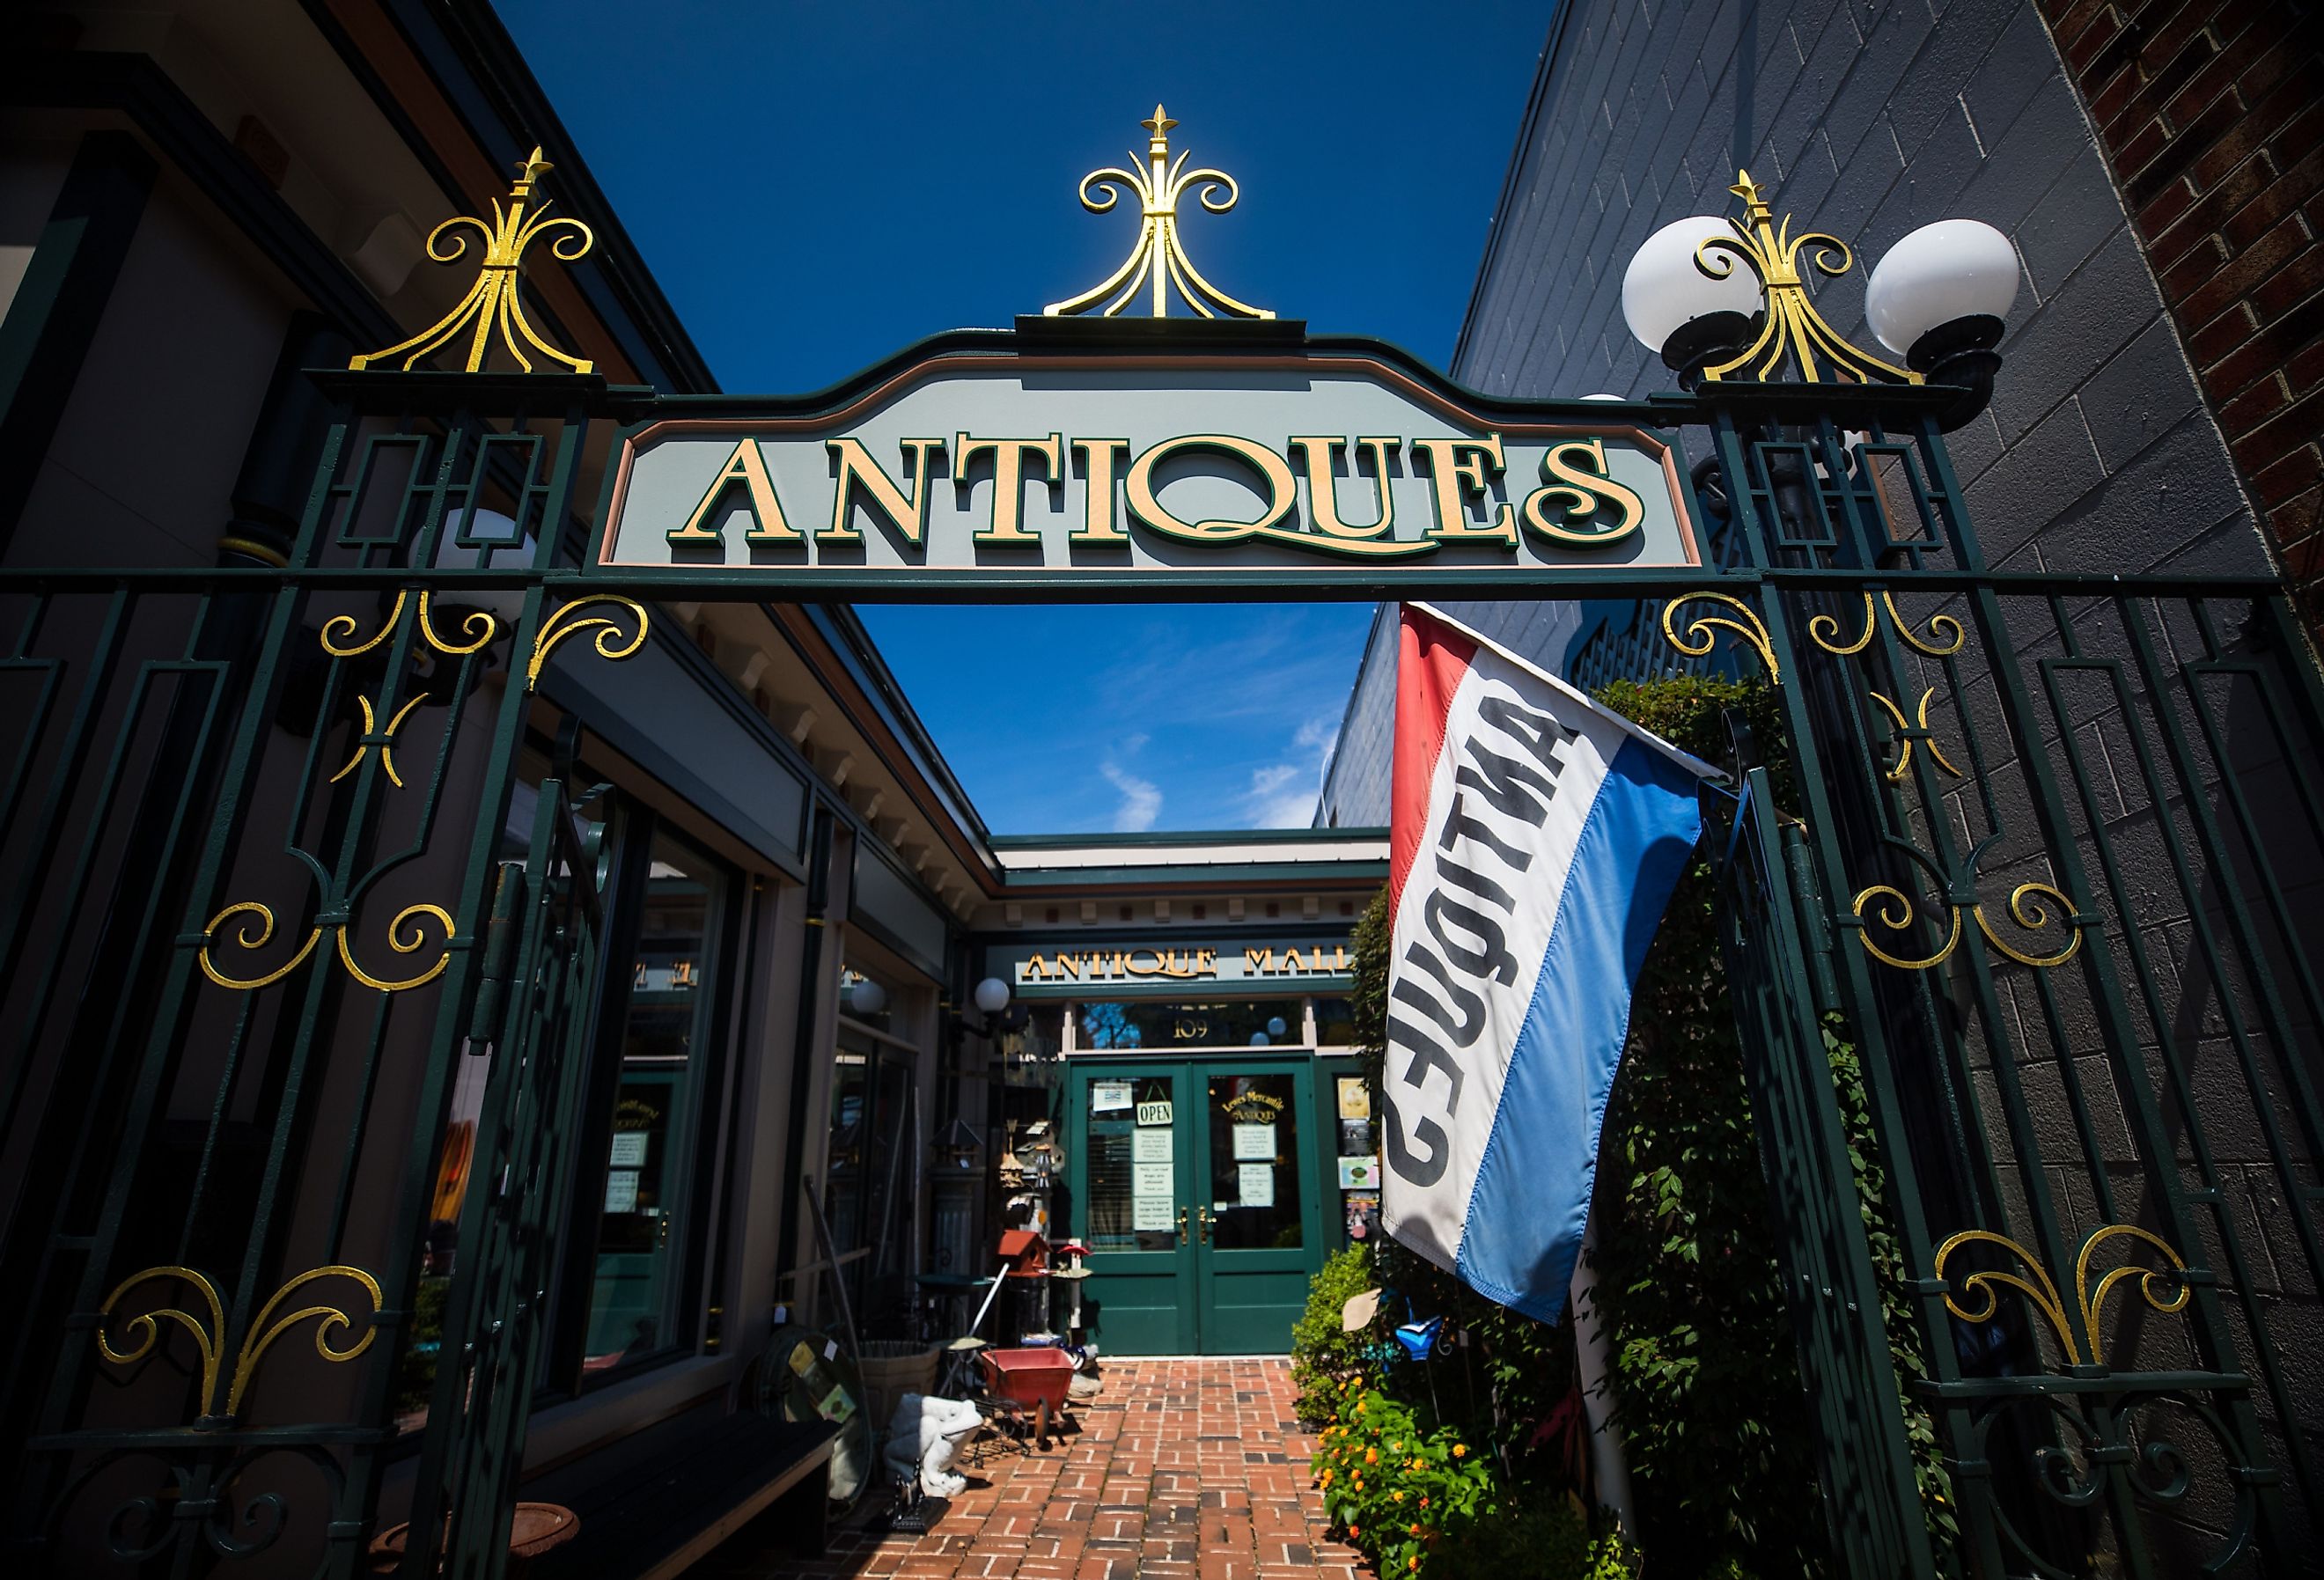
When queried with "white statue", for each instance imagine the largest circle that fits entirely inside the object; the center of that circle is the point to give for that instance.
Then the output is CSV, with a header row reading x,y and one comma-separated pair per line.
x,y
925,1434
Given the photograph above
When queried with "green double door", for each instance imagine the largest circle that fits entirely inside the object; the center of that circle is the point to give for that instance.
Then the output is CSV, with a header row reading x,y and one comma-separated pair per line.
x,y
1197,1187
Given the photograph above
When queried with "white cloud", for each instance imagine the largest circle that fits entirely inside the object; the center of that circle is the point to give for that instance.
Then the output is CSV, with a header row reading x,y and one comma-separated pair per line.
x,y
1283,795
1142,799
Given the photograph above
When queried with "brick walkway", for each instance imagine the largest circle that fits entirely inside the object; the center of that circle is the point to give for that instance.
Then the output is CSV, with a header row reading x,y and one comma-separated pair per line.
x,y
1181,1470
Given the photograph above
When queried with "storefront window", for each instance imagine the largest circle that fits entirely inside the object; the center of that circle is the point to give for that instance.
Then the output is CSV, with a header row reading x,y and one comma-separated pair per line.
x,y
1255,1162
1335,1023
635,1301
1118,1219
869,1176
1123,1024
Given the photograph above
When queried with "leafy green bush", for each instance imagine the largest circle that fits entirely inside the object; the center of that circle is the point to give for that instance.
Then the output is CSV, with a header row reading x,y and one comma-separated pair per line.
x,y
1706,1378
1420,1501
1323,1358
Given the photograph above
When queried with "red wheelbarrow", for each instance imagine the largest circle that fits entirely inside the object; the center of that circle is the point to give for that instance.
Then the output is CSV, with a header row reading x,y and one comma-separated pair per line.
x,y
1034,1380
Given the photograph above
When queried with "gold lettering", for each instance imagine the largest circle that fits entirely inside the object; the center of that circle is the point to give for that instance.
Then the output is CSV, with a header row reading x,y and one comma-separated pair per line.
x,y
1583,482
1458,468
1259,960
748,466
1033,970
1068,965
908,514
1338,957
1206,962
1098,460
1322,488
1009,458
1282,490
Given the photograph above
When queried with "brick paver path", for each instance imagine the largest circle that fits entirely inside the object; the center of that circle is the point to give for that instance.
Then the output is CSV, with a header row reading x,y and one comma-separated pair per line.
x,y
1181,1470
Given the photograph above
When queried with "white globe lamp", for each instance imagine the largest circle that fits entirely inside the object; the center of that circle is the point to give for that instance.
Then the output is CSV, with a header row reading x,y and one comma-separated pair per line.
x,y
1675,309
1939,296
991,995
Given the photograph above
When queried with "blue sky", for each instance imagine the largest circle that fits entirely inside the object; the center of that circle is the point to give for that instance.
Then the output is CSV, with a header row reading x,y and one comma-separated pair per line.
x,y
816,186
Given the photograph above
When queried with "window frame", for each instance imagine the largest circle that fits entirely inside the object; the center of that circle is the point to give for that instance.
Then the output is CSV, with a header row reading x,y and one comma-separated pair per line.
x,y
632,832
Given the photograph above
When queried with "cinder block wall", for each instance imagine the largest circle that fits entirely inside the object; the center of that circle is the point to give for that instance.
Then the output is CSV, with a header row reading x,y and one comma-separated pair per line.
x,y
1866,121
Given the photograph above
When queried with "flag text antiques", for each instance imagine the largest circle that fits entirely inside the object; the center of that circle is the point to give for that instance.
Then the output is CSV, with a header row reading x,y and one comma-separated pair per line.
x,y
2026,864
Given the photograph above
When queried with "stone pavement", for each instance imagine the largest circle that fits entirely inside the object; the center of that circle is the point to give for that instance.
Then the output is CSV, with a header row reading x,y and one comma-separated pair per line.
x,y
1181,1470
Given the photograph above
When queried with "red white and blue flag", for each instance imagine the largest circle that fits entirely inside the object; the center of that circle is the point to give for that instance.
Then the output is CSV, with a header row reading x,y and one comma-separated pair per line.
x,y
1534,840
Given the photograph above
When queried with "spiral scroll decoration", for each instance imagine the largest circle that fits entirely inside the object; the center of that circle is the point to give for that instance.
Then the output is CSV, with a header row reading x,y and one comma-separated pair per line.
x,y
1159,261
141,1328
492,303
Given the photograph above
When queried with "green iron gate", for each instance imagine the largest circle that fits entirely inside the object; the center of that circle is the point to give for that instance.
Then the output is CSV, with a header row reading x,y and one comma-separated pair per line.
x,y
2046,867
267,911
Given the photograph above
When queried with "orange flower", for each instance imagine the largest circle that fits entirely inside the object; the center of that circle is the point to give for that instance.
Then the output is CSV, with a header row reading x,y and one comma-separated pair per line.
x,y
1413,1562
1412,1531
1460,1449
1327,1478
1424,1503
1353,1531
1371,1456
1398,1495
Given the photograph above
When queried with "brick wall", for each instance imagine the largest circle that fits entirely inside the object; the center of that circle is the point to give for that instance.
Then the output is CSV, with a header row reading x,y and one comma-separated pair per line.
x,y
2212,119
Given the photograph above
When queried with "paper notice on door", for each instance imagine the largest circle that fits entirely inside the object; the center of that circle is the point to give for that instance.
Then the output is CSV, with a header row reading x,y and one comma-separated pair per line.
x,y
1257,1184
630,1148
622,1190
1254,1143
1109,1096
1355,1098
1151,1179
1148,1213
1151,1145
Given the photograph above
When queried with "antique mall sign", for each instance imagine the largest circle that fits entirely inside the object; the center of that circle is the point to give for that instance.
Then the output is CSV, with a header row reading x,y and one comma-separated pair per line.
x,y
1060,459
1071,464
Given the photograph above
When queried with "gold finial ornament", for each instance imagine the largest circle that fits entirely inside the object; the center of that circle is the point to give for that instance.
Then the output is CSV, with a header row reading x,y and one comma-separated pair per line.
x,y
1159,259
492,301
1793,327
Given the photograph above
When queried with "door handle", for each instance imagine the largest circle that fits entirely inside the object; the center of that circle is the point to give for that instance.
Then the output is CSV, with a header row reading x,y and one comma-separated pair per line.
x,y
1182,1225
1202,1221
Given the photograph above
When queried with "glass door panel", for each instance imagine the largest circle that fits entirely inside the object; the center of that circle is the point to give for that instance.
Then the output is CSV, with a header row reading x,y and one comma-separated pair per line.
x,y
1259,1230
1132,1172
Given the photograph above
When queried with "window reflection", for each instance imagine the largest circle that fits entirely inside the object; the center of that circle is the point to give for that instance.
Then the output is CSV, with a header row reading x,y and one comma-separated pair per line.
x,y
635,1303
1248,1023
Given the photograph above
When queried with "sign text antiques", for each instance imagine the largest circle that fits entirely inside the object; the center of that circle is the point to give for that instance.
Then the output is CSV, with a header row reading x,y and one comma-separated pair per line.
x,y
1069,465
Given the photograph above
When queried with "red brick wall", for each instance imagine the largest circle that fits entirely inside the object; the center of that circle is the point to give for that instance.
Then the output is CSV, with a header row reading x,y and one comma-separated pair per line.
x,y
2212,117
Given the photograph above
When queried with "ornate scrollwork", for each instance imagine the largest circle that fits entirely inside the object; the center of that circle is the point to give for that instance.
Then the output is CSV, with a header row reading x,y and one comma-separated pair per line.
x,y
1159,257
397,934
492,301
2031,907
479,624
1907,733
2163,1289
245,938
386,739
143,1329
338,631
567,620
1792,324
1824,629
1698,629
396,940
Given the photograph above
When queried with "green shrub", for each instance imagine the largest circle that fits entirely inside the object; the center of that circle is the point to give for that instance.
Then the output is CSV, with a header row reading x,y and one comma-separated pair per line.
x,y
1420,1501
1706,1378
1323,1358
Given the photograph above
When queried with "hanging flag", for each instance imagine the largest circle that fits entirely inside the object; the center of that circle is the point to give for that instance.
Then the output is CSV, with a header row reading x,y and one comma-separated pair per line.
x,y
1535,838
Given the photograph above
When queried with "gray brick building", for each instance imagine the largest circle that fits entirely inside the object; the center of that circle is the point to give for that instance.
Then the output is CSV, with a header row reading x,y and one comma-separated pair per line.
x,y
2098,452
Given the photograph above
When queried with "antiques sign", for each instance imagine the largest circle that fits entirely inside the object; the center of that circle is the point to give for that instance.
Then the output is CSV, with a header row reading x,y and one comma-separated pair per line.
x,y
1069,465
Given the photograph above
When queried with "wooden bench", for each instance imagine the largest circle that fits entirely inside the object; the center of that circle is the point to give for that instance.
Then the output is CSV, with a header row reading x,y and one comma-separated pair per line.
x,y
659,1500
